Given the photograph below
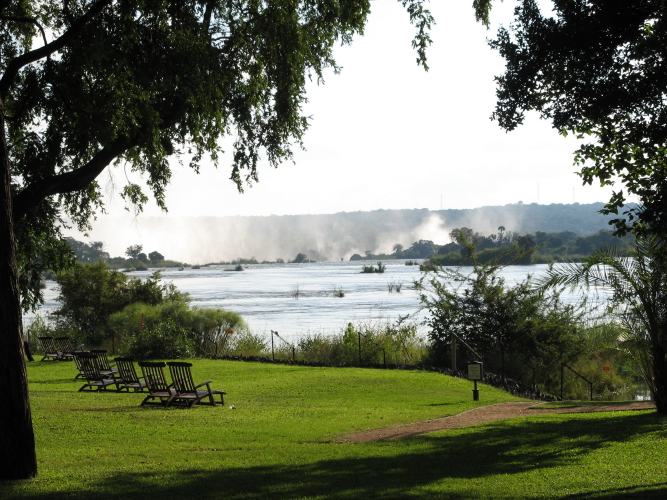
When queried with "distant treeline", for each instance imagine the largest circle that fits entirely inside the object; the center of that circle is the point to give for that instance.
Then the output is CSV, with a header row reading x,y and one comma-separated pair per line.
x,y
335,237
505,247
421,233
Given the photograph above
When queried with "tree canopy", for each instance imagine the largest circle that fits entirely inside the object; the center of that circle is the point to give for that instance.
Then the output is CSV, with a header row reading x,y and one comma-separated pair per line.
x,y
597,69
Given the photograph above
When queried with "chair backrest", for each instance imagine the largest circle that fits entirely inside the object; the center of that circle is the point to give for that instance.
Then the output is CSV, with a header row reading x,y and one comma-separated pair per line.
x,y
126,370
154,375
64,344
181,376
102,357
79,363
48,344
88,364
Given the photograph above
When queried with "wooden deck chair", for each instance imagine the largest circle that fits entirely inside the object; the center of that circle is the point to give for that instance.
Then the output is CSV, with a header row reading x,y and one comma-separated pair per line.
x,y
95,380
127,376
186,390
79,364
65,348
156,383
106,368
50,349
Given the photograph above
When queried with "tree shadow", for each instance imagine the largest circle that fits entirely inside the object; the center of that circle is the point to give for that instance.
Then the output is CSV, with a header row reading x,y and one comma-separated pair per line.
x,y
389,470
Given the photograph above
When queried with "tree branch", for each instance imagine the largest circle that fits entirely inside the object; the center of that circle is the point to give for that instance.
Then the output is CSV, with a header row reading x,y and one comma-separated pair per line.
x,y
48,49
68,182
27,20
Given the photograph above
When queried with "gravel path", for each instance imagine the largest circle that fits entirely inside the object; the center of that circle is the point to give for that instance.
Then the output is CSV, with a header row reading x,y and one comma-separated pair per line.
x,y
481,415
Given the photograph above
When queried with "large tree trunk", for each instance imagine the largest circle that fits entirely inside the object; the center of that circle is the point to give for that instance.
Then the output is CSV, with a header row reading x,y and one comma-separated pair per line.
x,y
660,379
17,441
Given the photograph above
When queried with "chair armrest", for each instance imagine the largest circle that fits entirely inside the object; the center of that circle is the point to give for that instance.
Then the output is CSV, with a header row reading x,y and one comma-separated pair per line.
x,y
204,383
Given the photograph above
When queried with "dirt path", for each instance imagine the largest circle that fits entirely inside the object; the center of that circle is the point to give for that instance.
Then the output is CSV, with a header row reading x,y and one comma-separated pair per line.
x,y
481,415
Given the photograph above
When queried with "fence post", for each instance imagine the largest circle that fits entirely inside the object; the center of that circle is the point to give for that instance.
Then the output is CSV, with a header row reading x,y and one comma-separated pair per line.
x,y
359,335
273,352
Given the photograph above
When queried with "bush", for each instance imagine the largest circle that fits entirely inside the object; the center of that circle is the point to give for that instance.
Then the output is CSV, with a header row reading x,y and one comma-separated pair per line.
x,y
163,340
245,343
91,293
207,328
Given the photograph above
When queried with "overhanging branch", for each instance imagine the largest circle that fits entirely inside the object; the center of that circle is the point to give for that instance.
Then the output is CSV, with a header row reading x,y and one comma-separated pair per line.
x,y
68,182
35,55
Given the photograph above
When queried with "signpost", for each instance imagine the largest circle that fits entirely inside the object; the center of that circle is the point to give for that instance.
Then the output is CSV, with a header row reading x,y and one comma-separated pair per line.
x,y
475,373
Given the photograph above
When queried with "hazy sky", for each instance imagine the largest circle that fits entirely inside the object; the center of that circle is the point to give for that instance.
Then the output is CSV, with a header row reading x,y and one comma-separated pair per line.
x,y
387,134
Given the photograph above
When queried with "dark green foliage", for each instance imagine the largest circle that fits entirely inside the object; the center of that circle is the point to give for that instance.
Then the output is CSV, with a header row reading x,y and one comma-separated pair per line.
x,y
598,70
496,321
88,253
206,330
638,302
91,293
155,256
133,251
163,340
372,269
300,258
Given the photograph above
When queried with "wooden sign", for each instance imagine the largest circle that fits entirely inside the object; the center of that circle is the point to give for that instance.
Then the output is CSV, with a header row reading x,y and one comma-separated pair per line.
x,y
606,368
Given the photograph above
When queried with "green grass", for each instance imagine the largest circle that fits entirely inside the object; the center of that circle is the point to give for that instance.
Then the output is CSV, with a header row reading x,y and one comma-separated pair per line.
x,y
277,442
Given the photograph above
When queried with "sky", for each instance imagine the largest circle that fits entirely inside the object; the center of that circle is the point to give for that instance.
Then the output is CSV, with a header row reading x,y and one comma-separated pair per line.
x,y
385,134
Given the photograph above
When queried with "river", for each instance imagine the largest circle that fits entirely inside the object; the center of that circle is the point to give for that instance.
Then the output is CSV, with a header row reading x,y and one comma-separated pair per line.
x,y
264,294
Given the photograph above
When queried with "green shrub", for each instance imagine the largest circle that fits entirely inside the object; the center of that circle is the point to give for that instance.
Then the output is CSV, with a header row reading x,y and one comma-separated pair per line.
x,y
207,328
245,343
163,340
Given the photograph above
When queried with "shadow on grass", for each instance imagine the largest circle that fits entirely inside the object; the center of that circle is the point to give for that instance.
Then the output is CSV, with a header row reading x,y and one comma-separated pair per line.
x,y
391,470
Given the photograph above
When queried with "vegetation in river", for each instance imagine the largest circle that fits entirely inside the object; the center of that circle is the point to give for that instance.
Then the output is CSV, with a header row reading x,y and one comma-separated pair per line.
x,y
372,269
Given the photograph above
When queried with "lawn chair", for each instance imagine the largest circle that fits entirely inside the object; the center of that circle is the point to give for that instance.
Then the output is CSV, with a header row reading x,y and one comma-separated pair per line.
x,y
64,345
95,380
156,383
186,390
127,375
79,364
106,368
50,349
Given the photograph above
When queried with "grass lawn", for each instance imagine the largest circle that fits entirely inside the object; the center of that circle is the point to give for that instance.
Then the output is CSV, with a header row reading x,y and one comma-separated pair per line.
x,y
277,442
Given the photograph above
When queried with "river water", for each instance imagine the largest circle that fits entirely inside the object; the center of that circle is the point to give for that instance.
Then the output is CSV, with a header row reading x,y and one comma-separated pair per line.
x,y
265,294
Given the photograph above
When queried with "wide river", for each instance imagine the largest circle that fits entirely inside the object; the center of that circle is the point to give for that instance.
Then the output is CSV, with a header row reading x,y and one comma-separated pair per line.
x,y
264,294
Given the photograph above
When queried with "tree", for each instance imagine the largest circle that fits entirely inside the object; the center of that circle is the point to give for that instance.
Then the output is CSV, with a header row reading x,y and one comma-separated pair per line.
x,y
90,293
397,248
300,258
155,256
495,319
88,253
137,82
638,300
133,251
598,70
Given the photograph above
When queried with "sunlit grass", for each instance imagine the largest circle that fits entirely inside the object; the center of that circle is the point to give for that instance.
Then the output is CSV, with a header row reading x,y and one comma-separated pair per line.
x,y
278,443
